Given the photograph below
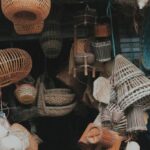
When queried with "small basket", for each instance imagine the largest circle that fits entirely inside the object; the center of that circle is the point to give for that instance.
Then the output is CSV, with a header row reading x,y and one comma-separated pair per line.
x,y
135,120
102,50
24,29
26,93
132,91
26,11
124,70
106,116
15,64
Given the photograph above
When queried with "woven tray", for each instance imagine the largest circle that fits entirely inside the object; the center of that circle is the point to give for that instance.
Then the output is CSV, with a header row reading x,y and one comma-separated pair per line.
x,y
124,70
133,90
24,29
15,64
29,11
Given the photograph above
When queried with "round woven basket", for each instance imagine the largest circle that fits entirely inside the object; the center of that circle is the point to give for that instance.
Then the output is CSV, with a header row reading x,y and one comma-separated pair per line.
x,y
51,41
29,11
15,64
26,93
102,50
132,91
124,70
24,29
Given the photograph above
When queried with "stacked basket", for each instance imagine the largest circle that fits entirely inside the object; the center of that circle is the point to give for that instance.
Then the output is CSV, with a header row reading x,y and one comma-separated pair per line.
x,y
27,16
132,87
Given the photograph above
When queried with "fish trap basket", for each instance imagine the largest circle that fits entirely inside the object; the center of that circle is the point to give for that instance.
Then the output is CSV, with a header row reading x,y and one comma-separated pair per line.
x,y
15,64
53,111
124,70
132,91
135,120
58,97
24,29
51,41
26,11
102,50
26,93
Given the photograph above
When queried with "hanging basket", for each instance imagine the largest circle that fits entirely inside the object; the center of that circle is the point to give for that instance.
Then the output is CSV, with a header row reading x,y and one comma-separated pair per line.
x,y
51,41
15,64
24,29
29,11
102,50
132,91
124,70
26,93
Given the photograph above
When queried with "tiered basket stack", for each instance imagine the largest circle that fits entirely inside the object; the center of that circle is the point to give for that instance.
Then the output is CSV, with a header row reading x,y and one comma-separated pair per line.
x,y
131,85
27,16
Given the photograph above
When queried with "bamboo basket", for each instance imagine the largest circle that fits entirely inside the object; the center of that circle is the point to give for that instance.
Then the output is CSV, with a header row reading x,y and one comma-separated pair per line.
x,y
26,93
53,111
124,70
106,116
135,120
15,64
132,91
102,50
29,11
24,29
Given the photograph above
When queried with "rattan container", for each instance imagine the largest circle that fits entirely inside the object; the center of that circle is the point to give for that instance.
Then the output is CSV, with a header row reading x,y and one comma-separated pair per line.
x,y
29,11
135,119
124,70
102,50
24,29
26,93
106,116
15,65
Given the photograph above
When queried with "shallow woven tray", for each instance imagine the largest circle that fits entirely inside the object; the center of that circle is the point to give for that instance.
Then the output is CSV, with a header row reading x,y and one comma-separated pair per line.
x,y
124,70
26,11
15,64
24,29
133,90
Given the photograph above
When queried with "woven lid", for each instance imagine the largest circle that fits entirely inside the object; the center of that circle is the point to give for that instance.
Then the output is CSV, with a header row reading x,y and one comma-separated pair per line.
x,y
124,70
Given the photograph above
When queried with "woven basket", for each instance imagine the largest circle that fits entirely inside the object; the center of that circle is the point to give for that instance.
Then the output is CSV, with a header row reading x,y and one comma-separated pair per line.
x,y
24,29
133,90
135,120
52,111
124,70
29,11
58,97
26,93
102,50
15,64
51,41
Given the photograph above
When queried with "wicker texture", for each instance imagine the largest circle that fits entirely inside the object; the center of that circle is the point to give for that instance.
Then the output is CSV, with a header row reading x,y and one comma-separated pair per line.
x,y
53,111
135,120
15,64
26,93
51,41
29,11
102,50
24,29
124,70
133,90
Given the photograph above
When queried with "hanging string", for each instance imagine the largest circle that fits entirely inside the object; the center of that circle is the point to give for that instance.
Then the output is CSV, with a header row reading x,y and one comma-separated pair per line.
x,y
109,14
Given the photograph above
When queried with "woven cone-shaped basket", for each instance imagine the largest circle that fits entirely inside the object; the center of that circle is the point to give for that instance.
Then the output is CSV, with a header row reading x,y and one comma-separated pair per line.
x,y
132,91
124,70
33,145
135,120
26,93
24,29
26,11
15,64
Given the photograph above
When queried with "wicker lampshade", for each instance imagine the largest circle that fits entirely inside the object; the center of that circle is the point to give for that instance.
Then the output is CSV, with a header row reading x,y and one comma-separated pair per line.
x,y
15,64
24,29
124,70
26,11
